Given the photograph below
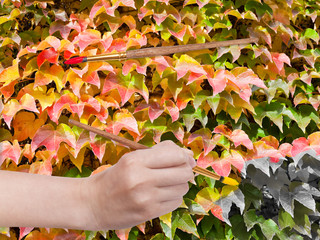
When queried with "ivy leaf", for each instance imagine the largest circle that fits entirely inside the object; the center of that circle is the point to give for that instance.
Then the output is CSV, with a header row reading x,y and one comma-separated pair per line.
x,y
98,146
49,55
223,165
130,65
304,115
204,136
25,124
235,196
183,221
206,160
206,198
268,227
259,163
13,106
219,81
54,73
154,110
187,64
126,85
286,200
11,151
124,119
237,136
194,207
275,85
50,138
10,74
279,59
189,115
312,34
285,220
274,111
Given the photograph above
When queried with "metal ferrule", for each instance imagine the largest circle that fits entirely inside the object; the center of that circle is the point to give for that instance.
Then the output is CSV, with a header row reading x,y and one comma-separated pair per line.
x,y
108,57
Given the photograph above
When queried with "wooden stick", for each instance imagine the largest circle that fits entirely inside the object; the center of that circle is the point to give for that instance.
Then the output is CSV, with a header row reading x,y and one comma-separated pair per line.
x,y
166,50
158,51
135,145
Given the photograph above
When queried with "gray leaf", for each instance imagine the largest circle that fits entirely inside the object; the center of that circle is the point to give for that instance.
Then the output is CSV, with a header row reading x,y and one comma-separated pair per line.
x,y
292,171
274,166
260,163
225,203
286,200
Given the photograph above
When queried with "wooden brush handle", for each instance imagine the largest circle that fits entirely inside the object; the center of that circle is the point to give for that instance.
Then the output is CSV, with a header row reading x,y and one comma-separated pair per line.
x,y
135,145
159,51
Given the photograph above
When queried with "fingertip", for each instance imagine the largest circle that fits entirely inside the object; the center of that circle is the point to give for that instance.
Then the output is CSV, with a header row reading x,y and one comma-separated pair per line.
x,y
192,162
189,152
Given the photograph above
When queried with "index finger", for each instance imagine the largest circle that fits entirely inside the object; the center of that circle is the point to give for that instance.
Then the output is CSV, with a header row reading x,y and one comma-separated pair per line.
x,y
165,155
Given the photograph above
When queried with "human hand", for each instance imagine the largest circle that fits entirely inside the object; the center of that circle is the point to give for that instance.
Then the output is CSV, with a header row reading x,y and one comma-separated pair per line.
x,y
144,184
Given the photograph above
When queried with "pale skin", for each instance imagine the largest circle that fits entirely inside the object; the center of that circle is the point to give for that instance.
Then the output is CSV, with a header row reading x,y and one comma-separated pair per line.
x,y
143,185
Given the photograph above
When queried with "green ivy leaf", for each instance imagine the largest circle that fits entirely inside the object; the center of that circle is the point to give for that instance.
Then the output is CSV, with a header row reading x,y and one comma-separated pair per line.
x,y
183,221
189,115
312,34
304,115
268,227
285,220
261,8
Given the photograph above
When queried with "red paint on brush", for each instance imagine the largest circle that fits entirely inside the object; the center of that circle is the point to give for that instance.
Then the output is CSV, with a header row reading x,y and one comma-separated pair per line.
x,y
76,60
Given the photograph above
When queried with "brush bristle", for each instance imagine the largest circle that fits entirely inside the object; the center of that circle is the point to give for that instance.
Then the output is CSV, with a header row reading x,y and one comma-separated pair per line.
x,y
75,60
230,181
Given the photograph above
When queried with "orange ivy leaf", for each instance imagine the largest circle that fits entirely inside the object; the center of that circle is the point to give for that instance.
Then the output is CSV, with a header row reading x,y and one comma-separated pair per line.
x,y
13,106
66,101
204,135
154,110
86,38
11,151
237,136
49,42
45,76
124,119
131,65
50,138
45,96
43,167
27,152
101,169
261,149
10,74
49,55
25,124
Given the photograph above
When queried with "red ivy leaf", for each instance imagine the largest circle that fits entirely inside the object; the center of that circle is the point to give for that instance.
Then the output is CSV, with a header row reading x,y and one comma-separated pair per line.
x,y
49,55
217,212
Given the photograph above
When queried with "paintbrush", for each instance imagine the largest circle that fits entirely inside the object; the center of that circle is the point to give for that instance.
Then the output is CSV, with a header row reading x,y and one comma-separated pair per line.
x,y
158,51
135,145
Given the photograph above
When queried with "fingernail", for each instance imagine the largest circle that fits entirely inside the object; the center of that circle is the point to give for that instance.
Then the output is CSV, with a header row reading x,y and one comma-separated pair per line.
x,y
193,181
